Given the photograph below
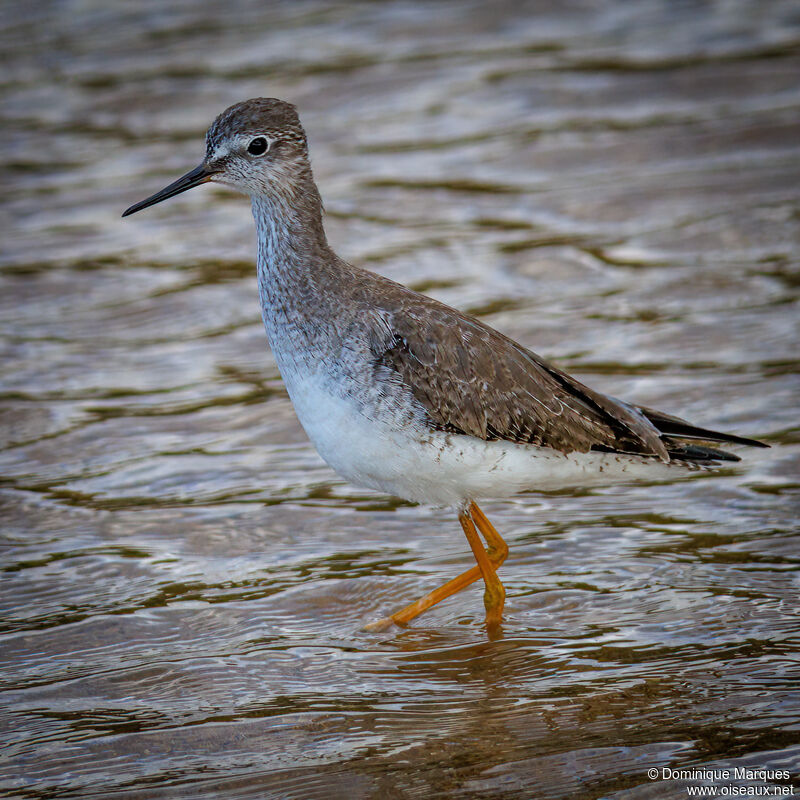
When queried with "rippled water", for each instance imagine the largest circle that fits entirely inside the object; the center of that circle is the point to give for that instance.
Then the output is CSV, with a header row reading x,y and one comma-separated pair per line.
x,y
615,184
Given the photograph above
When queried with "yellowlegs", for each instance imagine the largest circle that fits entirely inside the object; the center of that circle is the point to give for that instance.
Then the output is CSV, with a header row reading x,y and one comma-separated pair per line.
x,y
405,395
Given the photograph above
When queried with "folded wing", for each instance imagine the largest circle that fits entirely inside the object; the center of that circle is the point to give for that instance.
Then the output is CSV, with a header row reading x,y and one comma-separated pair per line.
x,y
473,380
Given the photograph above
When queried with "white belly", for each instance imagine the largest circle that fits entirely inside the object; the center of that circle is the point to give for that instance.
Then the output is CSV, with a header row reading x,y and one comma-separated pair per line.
x,y
448,469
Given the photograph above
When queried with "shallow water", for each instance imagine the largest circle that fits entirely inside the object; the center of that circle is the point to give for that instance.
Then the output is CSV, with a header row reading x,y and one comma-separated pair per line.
x,y
616,185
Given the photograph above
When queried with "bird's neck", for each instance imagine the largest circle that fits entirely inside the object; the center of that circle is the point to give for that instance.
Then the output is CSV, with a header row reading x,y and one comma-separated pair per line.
x,y
291,237
293,253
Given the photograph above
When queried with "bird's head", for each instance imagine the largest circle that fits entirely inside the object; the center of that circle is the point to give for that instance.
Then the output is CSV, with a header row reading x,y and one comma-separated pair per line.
x,y
257,147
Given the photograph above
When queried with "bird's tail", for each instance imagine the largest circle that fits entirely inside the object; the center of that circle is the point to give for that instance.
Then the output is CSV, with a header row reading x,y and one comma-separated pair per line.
x,y
674,430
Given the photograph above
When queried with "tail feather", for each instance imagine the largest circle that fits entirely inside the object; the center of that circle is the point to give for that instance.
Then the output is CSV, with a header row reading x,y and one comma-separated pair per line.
x,y
698,454
678,428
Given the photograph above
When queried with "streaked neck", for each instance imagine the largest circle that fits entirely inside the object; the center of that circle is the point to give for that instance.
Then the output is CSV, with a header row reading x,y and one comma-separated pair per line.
x,y
292,253
289,225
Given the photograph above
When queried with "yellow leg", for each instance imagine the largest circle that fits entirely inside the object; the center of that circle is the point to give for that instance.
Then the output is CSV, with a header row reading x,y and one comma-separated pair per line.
x,y
495,594
495,556
498,549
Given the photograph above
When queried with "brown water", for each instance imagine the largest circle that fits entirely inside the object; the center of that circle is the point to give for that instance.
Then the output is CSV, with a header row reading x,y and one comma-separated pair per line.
x,y
616,185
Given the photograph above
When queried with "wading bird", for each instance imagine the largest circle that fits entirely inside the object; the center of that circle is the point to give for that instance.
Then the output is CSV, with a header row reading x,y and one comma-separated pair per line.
x,y
403,394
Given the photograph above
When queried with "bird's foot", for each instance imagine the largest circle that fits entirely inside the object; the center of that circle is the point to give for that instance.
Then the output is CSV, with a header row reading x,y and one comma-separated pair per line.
x,y
379,625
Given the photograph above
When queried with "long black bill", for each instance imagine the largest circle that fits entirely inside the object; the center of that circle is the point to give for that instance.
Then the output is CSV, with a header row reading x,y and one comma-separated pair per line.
x,y
188,181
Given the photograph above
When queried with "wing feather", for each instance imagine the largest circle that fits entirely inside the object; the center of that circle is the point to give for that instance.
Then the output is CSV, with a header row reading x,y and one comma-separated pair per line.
x,y
473,380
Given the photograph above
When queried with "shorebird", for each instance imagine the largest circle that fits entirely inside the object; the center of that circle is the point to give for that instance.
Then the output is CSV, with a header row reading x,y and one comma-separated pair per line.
x,y
403,394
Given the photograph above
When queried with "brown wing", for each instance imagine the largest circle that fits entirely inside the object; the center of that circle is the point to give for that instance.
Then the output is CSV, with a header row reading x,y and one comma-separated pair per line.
x,y
473,380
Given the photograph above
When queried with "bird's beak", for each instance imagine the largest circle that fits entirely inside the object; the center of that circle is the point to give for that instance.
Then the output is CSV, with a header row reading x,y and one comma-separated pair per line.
x,y
188,181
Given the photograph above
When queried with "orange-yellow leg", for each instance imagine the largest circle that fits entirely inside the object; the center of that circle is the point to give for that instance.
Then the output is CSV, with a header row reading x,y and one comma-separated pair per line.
x,y
498,549
494,556
494,596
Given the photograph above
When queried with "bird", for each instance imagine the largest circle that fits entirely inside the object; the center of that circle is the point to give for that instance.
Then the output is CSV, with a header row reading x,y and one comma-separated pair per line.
x,y
403,394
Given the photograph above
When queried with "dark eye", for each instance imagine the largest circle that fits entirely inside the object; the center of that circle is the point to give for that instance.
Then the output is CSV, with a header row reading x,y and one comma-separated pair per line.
x,y
258,146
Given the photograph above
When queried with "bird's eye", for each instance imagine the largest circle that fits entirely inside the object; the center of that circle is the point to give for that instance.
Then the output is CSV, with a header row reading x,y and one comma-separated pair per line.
x,y
258,146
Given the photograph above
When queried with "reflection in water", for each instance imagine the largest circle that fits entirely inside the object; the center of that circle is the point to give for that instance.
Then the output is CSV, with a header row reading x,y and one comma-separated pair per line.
x,y
614,185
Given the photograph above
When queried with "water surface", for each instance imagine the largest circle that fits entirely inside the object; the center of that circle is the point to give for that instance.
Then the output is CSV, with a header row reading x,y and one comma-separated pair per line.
x,y
616,185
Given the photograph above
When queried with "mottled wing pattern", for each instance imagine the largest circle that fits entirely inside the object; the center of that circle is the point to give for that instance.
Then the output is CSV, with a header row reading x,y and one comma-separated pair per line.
x,y
474,380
